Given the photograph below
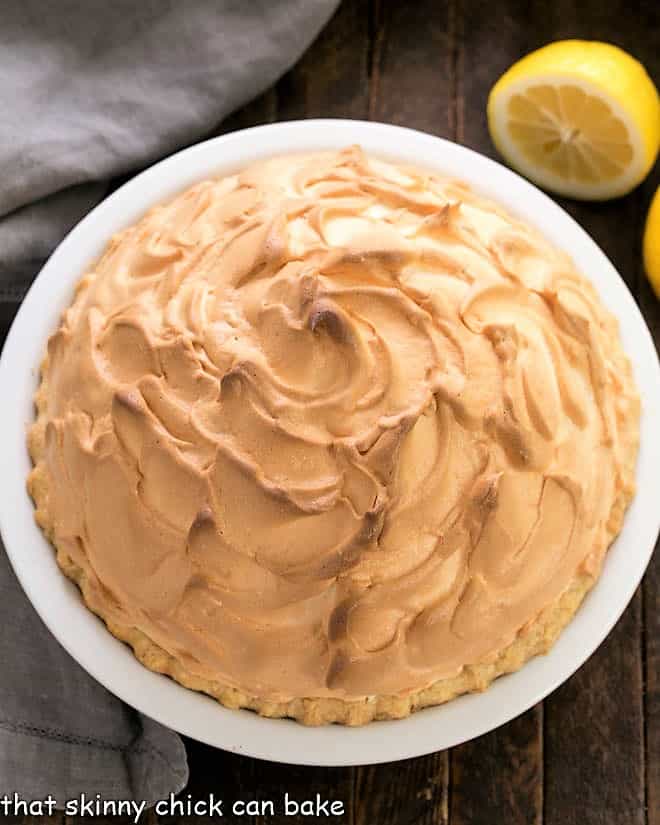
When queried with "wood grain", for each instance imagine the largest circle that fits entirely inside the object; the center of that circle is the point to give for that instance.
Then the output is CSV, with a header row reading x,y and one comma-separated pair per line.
x,y
650,307
413,79
7,312
594,767
262,109
652,688
412,791
488,43
226,776
499,777
332,78
303,784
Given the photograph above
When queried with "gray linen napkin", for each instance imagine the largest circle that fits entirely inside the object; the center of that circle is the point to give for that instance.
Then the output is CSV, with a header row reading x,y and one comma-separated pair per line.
x,y
61,733
89,90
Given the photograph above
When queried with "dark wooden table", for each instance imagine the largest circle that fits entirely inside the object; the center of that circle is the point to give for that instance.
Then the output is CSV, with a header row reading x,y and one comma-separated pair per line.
x,y
590,753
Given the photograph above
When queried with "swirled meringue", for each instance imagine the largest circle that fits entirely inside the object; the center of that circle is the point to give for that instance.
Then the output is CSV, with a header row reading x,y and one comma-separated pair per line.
x,y
332,427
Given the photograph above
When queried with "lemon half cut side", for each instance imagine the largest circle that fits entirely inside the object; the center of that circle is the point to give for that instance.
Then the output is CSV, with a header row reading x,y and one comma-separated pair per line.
x,y
580,118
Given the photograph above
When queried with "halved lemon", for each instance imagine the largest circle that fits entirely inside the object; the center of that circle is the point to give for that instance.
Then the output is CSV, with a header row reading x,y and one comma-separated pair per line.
x,y
652,244
580,118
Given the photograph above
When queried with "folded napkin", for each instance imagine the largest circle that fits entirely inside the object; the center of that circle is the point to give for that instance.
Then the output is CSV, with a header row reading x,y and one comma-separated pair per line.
x,y
63,734
89,90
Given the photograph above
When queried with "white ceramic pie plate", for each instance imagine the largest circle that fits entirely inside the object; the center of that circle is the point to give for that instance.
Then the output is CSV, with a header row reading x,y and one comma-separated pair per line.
x,y
112,663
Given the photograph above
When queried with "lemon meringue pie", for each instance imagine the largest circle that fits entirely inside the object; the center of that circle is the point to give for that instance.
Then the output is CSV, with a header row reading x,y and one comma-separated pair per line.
x,y
333,438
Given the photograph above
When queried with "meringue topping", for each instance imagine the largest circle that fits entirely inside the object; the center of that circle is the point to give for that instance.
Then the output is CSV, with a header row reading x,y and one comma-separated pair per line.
x,y
332,427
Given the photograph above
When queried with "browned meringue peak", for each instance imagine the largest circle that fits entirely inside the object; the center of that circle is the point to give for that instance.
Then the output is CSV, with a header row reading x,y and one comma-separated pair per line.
x,y
332,427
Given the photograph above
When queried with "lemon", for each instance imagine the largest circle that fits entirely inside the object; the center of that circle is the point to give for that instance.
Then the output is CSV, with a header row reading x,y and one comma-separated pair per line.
x,y
652,244
580,118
